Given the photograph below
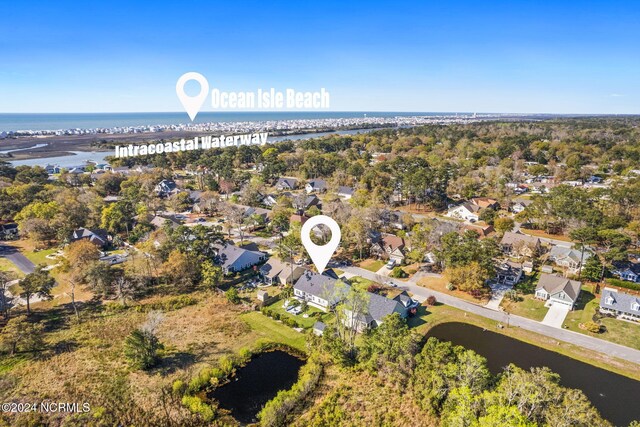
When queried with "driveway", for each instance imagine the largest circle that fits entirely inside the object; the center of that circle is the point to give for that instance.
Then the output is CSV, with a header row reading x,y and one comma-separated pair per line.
x,y
13,254
556,314
497,294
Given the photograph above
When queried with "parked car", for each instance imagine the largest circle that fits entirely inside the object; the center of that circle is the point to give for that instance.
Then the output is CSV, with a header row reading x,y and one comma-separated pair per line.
x,y
391,264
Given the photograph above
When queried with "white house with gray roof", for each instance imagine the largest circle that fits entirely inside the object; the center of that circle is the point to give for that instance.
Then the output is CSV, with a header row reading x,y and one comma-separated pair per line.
x,y
620,303
286,184
318,290
558,290
316,185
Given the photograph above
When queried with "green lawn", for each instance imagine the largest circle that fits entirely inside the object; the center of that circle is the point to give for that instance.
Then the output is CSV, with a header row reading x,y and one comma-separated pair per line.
x,y
304,322
273,330
372,265
6,265
529,307
360,282
617,331
40,257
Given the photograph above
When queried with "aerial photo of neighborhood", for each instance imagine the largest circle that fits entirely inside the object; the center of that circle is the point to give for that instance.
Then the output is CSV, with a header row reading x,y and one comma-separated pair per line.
x,y
471,253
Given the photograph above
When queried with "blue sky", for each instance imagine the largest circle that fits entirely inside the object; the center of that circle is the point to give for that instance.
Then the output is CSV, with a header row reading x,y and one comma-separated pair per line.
x,y
501,56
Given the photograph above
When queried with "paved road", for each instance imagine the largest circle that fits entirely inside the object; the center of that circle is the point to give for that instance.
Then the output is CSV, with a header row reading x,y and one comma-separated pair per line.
x,y
13,254
420,293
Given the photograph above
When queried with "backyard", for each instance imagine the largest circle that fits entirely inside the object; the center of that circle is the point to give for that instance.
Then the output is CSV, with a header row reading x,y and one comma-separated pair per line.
x,y
276,331
313,314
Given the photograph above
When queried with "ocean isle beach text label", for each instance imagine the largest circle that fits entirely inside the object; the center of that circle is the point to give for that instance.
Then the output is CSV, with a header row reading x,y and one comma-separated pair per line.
x,y
270,99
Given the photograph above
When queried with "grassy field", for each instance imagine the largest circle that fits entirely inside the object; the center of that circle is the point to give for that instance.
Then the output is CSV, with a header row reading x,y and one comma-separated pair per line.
x,y
40,257
266,327
617,331
529,307
86,360
371,265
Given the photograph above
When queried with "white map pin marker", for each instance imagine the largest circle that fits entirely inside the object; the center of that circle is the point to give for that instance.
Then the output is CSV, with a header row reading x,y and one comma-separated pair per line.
x,y
320,255
192,103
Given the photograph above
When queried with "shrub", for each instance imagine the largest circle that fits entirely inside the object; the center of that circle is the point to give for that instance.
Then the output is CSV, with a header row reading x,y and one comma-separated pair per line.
x,y
141,349
431,300
178,387
232,296
592,327
197,406
398,273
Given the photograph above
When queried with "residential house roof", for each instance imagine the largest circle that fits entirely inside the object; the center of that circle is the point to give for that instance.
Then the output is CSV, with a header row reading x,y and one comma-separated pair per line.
x,y
392,242
404,299
484,202
97,237
319,326
229,254
511,238
317,184
345,191
167,185
619,300
276,266
558,253
319,285
381,306
554,284
159,221
290,183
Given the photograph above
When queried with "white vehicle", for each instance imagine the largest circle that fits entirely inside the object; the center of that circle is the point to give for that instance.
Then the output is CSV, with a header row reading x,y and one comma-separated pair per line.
x,y
391,264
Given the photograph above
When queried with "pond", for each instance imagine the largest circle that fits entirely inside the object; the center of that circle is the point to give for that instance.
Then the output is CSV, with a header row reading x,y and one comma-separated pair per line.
x,y
615,396
256,383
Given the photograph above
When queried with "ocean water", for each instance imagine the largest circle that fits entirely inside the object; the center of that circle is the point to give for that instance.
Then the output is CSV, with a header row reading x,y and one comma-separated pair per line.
x,y
56,121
